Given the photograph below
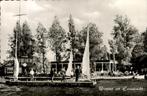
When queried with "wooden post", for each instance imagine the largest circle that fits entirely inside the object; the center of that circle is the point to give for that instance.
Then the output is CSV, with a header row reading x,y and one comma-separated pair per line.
x,y
115,67
62,65
109,67
95,65
56,65
102,67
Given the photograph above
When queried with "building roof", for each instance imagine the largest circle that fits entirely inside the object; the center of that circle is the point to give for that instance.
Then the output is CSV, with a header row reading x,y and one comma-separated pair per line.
x,y
81,61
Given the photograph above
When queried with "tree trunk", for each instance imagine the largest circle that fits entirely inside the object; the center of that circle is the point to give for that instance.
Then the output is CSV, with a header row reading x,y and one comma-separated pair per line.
x,y
114,65
57,60
43,55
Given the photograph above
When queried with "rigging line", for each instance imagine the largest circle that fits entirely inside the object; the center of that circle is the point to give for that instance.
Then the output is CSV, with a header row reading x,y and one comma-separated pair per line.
x,y
0,30
19,15
19,20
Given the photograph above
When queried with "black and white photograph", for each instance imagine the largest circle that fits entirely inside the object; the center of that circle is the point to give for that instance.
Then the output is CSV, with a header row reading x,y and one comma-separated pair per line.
x,y
73,47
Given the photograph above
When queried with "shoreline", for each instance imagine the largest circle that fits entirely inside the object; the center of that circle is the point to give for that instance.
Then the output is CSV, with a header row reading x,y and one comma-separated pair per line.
x,y
2,80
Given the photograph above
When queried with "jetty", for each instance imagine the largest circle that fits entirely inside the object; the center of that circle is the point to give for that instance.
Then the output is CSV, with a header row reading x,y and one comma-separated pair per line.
x,y
36,78
111,77
50,83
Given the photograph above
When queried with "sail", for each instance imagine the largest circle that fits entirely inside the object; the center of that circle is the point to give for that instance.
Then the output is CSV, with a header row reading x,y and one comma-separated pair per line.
x,y
16,68
85,60
16,63
69,69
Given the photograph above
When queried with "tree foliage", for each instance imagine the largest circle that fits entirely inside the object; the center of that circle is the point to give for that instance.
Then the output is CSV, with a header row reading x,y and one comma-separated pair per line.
x,y
56,38
144,37
71,39
139,53
40,38
95,41
72,33
40,48
24,41
125,37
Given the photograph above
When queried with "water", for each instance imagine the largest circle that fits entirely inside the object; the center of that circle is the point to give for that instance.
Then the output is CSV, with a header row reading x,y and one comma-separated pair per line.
x,y
103,88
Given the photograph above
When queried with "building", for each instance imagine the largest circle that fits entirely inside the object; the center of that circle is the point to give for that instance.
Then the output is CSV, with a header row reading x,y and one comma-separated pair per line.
x,y
96,66
24,66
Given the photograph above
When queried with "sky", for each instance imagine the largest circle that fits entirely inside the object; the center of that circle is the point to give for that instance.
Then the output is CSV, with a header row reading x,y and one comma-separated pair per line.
x,y
100,12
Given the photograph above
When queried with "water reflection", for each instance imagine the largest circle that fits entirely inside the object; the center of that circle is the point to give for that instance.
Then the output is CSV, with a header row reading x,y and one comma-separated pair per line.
x,y
9,90
40,91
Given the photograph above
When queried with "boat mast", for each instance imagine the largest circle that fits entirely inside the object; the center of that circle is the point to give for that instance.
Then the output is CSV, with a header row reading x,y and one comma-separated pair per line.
x,y
16,63
19,20
19,30
72,35
0,30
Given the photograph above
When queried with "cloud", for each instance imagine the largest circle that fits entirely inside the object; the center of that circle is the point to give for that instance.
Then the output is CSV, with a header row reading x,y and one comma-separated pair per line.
x,y
78,21
94,14
31,7
130,6
7,23
136,10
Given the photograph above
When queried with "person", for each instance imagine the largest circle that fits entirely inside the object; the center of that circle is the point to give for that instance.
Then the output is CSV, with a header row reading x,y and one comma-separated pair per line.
x,y
63,74
24,69
32,74
134,74
77,73
52,74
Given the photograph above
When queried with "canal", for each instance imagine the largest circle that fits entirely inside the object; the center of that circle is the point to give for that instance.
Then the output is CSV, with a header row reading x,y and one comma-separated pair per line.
x,y
103,88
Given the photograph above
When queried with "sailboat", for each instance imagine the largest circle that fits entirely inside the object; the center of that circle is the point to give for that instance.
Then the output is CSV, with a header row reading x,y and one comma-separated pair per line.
x,y
69,69
86,61
16,63
85,71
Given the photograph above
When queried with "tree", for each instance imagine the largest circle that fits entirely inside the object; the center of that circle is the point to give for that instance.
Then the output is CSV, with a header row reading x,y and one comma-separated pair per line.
x,y
40,44
12,41
56,39
139,48
125,37
27,41
104,53
72,34
95,41
144,35
139,52
24,41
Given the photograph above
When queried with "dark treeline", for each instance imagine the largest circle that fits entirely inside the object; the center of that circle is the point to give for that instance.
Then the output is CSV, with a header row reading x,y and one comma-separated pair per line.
x,y
127,46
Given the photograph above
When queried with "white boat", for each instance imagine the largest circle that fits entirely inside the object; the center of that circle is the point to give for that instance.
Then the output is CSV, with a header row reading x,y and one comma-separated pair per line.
x,y
111,77
85,66
139,77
